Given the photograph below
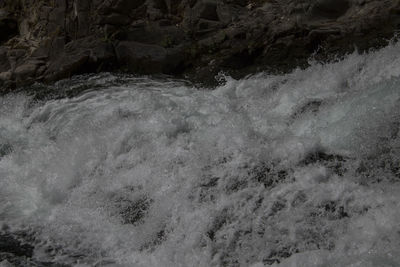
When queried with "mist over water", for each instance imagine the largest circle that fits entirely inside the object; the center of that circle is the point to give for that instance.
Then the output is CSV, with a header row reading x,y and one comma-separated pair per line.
x,y
301,169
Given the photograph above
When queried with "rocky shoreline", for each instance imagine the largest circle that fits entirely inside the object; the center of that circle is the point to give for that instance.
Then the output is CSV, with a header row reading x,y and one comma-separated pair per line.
x,y
45,41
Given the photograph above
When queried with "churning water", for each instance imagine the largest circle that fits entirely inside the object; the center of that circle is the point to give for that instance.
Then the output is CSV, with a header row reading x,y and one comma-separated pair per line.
x,y
300,169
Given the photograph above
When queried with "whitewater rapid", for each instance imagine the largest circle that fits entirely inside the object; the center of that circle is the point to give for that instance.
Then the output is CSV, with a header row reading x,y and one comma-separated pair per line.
x,y
300,169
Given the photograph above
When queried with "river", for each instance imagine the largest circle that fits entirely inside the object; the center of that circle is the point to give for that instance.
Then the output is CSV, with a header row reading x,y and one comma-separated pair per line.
x,y
298,169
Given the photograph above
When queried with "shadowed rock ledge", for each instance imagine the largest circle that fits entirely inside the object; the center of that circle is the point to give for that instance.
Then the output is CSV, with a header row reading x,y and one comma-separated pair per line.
x,y
50,40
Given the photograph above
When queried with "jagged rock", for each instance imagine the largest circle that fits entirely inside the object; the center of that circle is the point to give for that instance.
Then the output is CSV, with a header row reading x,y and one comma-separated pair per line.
x,y
198,38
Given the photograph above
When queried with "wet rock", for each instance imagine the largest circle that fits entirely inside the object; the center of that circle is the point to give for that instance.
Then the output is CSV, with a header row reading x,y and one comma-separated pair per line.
x,y
25,72
66,66
79,57
144,58
199,38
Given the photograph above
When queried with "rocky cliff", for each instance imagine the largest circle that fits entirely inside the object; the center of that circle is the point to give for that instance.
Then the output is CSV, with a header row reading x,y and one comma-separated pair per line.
x,y
49,40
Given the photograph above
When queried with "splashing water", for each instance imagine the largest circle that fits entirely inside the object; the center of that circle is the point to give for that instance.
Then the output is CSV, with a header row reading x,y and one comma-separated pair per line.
x,y
288,170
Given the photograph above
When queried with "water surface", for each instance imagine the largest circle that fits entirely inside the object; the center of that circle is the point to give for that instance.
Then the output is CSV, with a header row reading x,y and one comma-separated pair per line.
x,y
299,169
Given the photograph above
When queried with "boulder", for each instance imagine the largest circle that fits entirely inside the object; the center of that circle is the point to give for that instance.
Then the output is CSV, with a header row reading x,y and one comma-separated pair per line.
x,y
25,71
146,59
85,55
66,66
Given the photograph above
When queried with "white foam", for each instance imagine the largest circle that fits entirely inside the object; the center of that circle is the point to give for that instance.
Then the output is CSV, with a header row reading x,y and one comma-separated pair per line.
x,y
156,173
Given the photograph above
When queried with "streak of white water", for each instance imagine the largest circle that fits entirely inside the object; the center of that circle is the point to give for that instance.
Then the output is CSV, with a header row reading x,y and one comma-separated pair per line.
x,y
292,170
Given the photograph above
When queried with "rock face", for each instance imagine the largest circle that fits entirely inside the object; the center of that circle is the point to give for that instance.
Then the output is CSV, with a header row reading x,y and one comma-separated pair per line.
x,y
50,40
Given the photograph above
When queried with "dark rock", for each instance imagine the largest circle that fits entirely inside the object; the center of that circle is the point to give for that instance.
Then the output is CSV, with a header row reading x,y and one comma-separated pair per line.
x,y
81,56
206,9
8,26
4,63
25,73
329,9
66,66
198,38
144,58
166,37
229,13
116,19
5,76
205,24
54,48
119,6
56,17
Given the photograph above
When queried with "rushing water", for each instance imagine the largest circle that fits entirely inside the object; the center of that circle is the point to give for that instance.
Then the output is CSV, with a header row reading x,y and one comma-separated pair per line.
x,y
300,169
